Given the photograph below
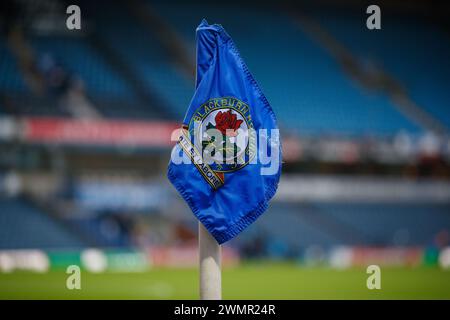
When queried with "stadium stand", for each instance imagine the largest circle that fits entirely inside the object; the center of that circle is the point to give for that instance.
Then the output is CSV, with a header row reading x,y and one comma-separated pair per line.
x,y
145,56
287,221
15,94
10,75
24,226
111,94
308,90
391,224
128,72
103,232
330,224
411,48
78,57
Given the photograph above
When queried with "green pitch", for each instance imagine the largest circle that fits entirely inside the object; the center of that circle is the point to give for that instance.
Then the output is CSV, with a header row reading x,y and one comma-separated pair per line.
x,y
251,281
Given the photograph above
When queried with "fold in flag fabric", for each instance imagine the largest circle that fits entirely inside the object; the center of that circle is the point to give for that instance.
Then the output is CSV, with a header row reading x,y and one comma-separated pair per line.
x,y
229,142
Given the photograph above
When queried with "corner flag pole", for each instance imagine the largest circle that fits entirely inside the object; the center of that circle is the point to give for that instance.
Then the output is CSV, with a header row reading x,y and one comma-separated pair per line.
x,y
210,265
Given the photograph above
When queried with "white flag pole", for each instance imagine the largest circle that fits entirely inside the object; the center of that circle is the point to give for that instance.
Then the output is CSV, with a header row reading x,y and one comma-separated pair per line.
x,y
210,255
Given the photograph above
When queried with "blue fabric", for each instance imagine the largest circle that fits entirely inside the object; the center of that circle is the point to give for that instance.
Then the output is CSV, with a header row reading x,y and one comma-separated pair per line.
x,y
245,193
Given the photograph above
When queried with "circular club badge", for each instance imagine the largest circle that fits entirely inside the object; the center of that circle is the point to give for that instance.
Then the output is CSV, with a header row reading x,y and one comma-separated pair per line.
x,y
220,128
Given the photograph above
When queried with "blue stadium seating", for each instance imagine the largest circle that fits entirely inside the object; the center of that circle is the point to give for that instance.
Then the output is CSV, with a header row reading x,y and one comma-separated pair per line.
x,y
392,224
11,80
330,224
78,58
285,222
23,226
307,88
414,50
95,228
144,53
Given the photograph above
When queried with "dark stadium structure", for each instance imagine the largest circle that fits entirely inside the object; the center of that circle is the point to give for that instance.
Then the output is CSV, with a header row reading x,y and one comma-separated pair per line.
x,y
364,118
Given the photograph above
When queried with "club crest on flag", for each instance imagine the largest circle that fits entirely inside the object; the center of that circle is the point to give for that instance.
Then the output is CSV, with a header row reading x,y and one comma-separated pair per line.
x,y
222,129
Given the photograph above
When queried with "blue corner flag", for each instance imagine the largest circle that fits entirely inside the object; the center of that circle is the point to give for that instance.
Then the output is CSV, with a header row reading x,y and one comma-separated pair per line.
x,y
227,162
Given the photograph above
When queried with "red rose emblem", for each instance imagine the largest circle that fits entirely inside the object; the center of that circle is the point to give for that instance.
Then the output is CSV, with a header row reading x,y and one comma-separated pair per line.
x,y
227,123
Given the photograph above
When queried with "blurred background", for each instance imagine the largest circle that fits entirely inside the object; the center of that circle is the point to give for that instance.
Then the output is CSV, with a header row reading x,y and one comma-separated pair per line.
x,y
85,123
